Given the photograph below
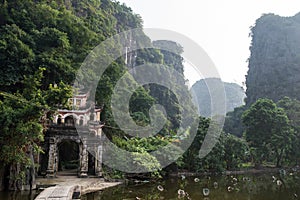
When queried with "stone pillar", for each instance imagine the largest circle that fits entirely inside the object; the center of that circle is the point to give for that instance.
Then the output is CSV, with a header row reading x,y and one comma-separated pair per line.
x,y
83,160
98,163
30,182
52,160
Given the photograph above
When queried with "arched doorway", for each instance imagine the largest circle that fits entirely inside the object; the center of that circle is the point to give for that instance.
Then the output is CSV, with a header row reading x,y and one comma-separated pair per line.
x,y
68,157
70,121
59,120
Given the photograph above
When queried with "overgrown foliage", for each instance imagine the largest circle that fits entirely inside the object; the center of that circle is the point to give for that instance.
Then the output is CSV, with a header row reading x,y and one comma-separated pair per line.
x,y
22,116
229,152
55,36
267,130
43,43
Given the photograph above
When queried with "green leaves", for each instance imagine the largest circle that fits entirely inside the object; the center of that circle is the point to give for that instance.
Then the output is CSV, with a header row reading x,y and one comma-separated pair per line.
x,y
20,118
235,151
14,52
54,35
267,129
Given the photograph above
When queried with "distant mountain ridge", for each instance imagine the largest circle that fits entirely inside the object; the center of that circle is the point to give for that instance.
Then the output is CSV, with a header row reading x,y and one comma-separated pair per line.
x,y
234,95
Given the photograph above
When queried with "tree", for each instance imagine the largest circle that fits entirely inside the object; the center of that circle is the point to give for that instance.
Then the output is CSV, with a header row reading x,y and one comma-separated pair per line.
x,y
22,116
14,52
267,129
292,109
233,122
191,156
235,151
214,161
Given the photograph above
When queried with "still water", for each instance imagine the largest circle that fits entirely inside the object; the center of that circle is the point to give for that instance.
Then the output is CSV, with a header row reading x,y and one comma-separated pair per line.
x,y
23,195
232,187
236,187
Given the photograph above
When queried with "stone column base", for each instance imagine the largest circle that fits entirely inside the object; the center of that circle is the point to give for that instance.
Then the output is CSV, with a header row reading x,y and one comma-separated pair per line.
x,y
99,174
51,174
83,175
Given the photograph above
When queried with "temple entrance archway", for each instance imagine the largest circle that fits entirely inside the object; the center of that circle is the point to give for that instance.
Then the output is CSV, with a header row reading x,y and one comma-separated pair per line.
x,y
68,156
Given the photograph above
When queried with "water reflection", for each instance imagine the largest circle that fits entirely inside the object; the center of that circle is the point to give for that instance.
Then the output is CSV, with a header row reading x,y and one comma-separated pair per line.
x,y
258,187
196,180
205,192
18,195
160,188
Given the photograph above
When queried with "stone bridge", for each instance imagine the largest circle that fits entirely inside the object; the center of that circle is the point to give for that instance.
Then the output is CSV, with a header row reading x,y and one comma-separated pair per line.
x,y
59,193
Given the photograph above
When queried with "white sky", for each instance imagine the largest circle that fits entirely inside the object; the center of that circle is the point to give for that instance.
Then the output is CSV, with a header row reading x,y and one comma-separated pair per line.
x,y
220,27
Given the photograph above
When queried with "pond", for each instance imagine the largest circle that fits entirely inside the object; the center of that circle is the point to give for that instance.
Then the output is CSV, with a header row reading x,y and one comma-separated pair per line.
x,y
232,187
23,195
270,186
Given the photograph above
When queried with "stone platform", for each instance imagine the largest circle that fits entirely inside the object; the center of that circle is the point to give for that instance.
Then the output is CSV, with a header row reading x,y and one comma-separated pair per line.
x,y
57,193
65,186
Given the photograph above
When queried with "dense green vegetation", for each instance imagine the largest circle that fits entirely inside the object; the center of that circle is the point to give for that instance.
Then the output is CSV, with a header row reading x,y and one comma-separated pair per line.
x,y
273,66
43,43
270,130
267,130
229,152
55,36
233,121
22,116
270,125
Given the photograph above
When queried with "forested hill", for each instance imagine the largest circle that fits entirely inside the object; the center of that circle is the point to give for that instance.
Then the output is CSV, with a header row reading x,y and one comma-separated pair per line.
x,y
234,95
274,64
43,44
56,35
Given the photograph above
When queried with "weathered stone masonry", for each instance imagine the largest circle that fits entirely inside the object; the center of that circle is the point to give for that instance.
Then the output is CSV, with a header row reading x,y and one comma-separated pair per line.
x,y
81,125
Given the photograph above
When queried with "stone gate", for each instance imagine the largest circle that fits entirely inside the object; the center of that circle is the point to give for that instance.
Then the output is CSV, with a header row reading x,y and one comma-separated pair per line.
x,y
66,126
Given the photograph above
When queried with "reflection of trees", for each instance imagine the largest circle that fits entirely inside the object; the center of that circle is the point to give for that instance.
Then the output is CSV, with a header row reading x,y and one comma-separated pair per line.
x,y
246,187
18,195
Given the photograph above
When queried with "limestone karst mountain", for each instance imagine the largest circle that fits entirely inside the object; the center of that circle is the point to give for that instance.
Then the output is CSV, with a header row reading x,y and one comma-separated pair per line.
x,y
203,90
274,64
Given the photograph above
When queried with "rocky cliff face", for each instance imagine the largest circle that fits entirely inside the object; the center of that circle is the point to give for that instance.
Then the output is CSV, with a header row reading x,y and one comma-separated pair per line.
x,y
202,93
274,64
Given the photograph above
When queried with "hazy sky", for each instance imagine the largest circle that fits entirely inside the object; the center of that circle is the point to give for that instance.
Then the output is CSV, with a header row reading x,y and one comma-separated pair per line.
x,y
220,27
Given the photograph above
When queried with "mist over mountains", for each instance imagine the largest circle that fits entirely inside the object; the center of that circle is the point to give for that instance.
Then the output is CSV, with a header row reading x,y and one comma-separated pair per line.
x,y
206,89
